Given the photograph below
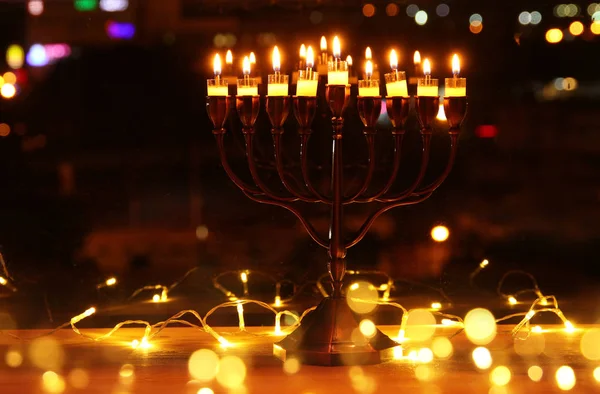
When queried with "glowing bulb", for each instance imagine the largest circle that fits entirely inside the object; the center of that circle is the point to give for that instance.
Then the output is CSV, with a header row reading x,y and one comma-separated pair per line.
x,y
425,355
426,67
302,51
337,48
455,64
217,65
224,342
565,378
277,301
244,277
536,329
8,91
436,305
240,310
369,69
252,59
156,298
135,343
448,322
3,281
145,344
323,44
417,58
277,327
439,233
368,53
276,60
310,57
529,315
569,327
393,60
484,263
89,312
111,281
349,60
229,57
512,300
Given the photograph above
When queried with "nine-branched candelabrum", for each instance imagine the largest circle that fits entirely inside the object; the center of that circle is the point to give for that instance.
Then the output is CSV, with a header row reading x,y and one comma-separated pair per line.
x,y
325,335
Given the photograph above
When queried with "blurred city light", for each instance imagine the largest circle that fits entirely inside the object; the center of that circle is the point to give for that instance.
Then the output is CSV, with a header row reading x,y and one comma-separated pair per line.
x,y
596,16
476,27
536,17
391,9
57,51
9,77
36,57
114,5
473,19
4,131
576,28
595,27
442,10
412,10
8,91
486,131
368,10
440,233
15,56
525,18
120,30
86,5
554,36
593,8
35,7
421,17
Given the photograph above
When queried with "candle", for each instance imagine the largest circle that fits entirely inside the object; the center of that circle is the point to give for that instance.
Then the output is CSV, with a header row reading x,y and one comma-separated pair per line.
x,y
337,69
427,87
323,58
349,60
368,54
368,87
417,62
217,86
247,86
277,83
229,61
307,79
395,82
455,86
252,58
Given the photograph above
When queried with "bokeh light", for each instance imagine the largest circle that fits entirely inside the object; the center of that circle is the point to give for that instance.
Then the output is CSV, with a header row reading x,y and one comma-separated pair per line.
x,y
10,77
35,7
424,373
536,17
206,390
13,358
425,355
593,8
15,56
442,347
533,345
8,91
442,10
368,10
480,326
114,5
554,36
565,378
202,233
203,365
53,383
482,358
476,27
596,16
421,17
500,376
46,353
367,328
79,378
412,10
420,325
596,374
440,233
595,27
291,366
590,344
231,372
475,18
525,18
126,374
36,56
535,373
362,297
392,9
86,5
576,28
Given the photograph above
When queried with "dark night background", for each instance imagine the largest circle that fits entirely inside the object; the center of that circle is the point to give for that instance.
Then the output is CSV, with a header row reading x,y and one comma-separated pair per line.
x,y
110,167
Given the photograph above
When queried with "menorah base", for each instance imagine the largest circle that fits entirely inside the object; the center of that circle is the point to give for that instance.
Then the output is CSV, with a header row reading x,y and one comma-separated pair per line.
x,y
326,338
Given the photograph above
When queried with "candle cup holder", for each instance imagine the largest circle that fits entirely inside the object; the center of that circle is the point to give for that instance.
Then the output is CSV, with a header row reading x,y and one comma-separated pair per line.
x,y
398,109
247,109
218,109
278,108
305,109
369,110
337,97
427,109
455,109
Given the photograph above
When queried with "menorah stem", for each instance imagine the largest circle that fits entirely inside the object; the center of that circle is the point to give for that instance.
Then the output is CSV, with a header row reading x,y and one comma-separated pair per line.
x,y
337,249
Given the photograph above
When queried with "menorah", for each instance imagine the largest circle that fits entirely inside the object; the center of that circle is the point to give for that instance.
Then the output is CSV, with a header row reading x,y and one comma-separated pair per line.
x,y
325,334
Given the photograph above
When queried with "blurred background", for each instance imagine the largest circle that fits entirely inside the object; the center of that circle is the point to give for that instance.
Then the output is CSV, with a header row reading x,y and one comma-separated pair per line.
x,y
109,168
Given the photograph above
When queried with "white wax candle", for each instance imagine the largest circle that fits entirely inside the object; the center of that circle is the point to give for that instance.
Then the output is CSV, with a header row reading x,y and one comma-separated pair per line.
x,y
368,91
217,91
247,91
337,77
307,87
456,92
277,89
397,89
427,91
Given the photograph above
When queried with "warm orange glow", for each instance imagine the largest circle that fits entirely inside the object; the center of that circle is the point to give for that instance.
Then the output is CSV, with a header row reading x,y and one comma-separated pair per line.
x,y
554,36
417,58
217,64
276,60
337,48
302,51
252,58
8,91
349,60
368,53
310,57
229,57
393,60
426,67
10,77
440,233
246,66
595,27
455,64
323,44
576,28
476,28
369,69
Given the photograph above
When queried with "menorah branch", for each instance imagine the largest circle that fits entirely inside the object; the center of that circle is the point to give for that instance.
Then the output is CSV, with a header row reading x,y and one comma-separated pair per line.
x,y
370,138
434,185
304,138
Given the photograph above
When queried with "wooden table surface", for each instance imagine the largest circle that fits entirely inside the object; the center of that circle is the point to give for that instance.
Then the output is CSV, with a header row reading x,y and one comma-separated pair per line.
x,y
164,367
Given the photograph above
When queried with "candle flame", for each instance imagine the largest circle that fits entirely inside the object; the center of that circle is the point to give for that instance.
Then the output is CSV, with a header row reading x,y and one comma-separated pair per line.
x,y
337,48
229,57
369,69
368,53
276,60
310,57
417,58
217,64
393,60
252,58
349,60
426,67
323,44
455,64
302,51
246,65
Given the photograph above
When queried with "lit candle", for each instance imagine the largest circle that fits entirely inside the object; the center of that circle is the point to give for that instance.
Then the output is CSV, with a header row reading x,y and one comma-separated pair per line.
x,y
395,82
368,87
302,57
368,54
417,62
252,58
337,69
323,50
278,84
217,86
247,86
308,80
427,87
349,60
229,62
455,86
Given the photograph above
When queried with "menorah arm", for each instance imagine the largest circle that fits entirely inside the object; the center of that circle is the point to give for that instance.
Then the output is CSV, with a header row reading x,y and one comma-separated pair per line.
x,y
309,227
371,219
280,169
434,185
264,189
243,186
370,137
426,138
304,137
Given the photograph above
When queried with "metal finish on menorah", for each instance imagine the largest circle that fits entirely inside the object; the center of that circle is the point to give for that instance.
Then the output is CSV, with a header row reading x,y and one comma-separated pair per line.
x,y
325,335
